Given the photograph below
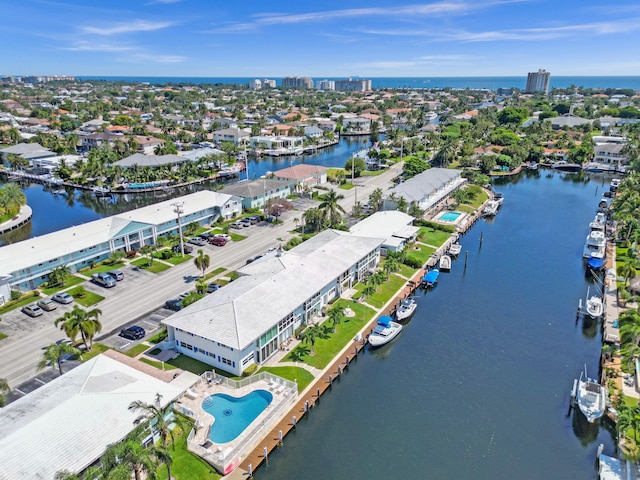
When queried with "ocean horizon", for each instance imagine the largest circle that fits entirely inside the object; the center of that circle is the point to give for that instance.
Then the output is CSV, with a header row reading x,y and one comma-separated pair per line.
x,y
491,83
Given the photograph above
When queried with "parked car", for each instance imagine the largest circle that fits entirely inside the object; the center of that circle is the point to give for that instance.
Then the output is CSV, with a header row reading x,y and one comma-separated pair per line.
x,y
133,332
217,241
117,274
104,279
212,287
223,235
245,222
174,304
62,297
255,219
206,235
32,310
187,248
236,225
47,304
197,241
253,259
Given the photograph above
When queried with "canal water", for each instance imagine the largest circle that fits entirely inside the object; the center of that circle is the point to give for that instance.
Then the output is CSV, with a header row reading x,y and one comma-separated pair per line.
x,y
53,212
477,384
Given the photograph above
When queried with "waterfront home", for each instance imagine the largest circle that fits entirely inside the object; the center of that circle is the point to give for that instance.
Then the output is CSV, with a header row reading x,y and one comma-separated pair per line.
x,y
277,143
256,193
394,227
234,135
141,160
27,151
148,145
95,140
247,321
610,154
427,190
68,423
358,125
302,176
29,262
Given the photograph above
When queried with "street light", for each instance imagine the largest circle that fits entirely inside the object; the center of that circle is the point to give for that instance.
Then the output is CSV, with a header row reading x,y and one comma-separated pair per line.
x,y
177,208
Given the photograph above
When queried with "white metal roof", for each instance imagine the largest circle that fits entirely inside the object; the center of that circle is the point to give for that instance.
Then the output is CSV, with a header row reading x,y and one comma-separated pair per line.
x,y
68,423
37,250
418,188
243,310
383,224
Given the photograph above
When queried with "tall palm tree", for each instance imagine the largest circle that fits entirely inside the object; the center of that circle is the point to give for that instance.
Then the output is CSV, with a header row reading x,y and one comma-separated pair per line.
x,y
163,419
331,208
53,355
132,456
4,389
336,316
310,335
81,321
202,261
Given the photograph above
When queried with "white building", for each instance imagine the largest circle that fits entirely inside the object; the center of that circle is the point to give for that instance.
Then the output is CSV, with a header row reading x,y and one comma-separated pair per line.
x,y
246,321
266,83
326,85
394,227
29,262
255,84
68,423
538,81
426,190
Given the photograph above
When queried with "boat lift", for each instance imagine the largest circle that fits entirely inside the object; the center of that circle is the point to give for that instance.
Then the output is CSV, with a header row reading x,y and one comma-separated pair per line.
x,y
582,308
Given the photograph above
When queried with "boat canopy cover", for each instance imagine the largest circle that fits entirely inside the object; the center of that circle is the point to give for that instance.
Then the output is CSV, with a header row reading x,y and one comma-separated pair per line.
x,y
385,320
595,262
432,276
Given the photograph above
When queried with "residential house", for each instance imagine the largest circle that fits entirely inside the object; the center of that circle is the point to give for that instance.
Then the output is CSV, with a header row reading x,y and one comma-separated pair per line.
x,y
427,190
302,176
95,140
148,145
256,193
234,135
396,228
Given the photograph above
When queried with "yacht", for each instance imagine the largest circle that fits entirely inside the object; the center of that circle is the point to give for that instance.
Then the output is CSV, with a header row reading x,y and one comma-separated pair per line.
x,y
615,183
565,166
591,397
595,307
406,309
491,208
385,331
595,244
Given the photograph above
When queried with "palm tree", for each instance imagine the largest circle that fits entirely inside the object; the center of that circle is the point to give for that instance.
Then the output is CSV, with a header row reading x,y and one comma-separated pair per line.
x,y
81,321
390,265
163,418
629,269
336,316
331,208
132,456
4,389
310,335
53,355
375,199
202,261
11,199
59,276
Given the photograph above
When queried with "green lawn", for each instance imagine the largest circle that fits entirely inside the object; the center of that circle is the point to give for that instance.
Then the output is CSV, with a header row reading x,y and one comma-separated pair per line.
x,y
96,349
295,374
371,173
195,366
386,291
177,260
158,365
186,465
407,271
87,299
103,268
432,236
421,252
137,350
480,197
236,237
155,267
326,349
347,186
215,272
13,304
72,281
2,336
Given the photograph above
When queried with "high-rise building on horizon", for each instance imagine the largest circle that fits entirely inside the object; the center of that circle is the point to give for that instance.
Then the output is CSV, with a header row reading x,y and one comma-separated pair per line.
x,y
326,85
352,85
297,82
538,81
255,84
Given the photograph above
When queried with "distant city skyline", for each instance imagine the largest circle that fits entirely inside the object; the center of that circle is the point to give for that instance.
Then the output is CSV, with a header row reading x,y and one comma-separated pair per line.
x,y
318,40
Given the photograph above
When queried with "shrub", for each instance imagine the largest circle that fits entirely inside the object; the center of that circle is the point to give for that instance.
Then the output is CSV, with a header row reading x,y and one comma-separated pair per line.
x,y
299,330
159,337
411,261
15,294
292,243
436,226
250,370
233,276
166,254
131,253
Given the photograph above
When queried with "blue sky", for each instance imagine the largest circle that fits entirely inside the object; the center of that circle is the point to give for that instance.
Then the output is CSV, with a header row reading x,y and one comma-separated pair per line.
x,y
274,38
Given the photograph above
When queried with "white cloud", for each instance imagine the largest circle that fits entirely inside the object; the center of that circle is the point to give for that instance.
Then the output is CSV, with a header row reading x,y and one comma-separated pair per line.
x,y
84,46
130,27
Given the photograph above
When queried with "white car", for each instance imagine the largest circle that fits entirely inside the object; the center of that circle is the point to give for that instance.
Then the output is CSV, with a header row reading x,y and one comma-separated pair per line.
x,y
223,235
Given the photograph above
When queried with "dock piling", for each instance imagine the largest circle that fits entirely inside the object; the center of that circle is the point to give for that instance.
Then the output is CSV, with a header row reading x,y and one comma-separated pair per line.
x,y
250,471
266,454
294,421
466,258
280,440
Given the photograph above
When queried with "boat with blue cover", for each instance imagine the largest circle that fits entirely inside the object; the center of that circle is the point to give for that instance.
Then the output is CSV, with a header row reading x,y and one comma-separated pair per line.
x,y
385,331
431,278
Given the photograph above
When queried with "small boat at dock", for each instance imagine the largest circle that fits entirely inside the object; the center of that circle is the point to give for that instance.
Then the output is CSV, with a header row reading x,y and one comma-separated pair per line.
x,y
565,166
591,397
385,331
445,263
431,278
455,249
406,309
490,208
498,197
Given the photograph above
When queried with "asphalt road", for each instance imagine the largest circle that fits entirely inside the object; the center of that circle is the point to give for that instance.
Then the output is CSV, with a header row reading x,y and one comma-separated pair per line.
x,y
138,299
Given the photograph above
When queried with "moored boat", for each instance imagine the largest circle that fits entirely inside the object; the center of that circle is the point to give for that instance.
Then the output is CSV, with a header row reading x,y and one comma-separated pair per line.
x,y
455,249
595,307
406,309
445,262
565,166
594,245
431,278
490,208
385,331
591,397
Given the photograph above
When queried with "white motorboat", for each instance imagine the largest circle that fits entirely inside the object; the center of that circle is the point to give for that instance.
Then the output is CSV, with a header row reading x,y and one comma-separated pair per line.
x,y
385,331
455,249
595,307
591,397
445,262
498,197
595,245
491,208
406,309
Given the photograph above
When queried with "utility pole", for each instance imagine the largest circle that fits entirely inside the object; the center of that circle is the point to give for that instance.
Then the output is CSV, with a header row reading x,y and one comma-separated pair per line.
x,y
177,208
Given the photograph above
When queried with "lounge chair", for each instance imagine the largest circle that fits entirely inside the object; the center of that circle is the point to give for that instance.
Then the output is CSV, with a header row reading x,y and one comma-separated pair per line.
x,y
273,384
281,388
192,394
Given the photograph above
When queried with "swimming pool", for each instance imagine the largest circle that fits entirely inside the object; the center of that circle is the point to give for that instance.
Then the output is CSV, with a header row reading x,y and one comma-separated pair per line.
x,y
449,216
234,414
